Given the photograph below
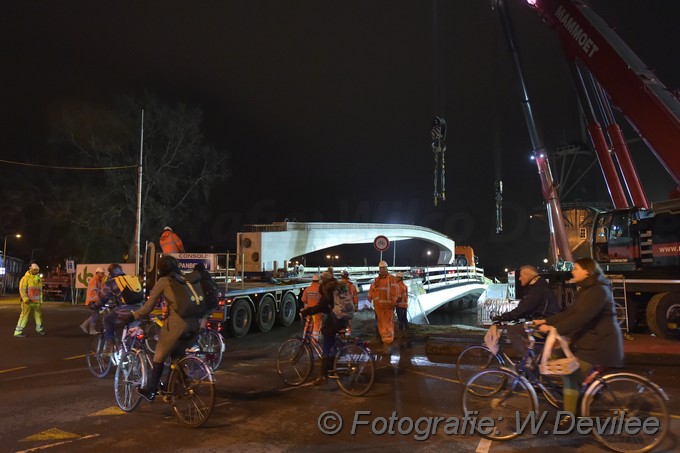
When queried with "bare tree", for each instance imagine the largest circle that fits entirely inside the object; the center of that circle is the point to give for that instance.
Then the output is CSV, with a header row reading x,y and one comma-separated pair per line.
x,y
99,206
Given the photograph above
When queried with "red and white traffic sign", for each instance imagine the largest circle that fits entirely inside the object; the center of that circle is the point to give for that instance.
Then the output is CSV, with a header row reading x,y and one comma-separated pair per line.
x,y
381,243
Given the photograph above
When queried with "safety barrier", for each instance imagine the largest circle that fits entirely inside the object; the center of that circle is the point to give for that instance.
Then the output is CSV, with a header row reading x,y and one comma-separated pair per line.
x,y
489,308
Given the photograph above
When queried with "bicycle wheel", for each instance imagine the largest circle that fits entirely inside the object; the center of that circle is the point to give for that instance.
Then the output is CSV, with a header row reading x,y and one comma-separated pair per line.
x,y
294,362
192,391
151,335
502,396
354,369
474,359
619,398
98,361
211,348
129,375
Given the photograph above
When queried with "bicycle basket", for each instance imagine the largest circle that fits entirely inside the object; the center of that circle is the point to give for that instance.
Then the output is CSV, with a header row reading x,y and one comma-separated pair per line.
x,y
561,366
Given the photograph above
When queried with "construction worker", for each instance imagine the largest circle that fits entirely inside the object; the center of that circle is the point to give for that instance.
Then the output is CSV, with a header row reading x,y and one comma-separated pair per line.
x,y
344,277
170,242
402,303
94,290
383,293
30,291
310,298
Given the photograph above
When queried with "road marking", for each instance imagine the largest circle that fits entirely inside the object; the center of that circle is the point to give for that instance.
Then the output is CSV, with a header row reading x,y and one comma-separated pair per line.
x,y
56,444
13,369
483,446
455,381
112,410
76,357
50,434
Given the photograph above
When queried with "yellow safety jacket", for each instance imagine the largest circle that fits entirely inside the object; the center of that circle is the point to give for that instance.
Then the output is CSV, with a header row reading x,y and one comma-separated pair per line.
x,y
30,288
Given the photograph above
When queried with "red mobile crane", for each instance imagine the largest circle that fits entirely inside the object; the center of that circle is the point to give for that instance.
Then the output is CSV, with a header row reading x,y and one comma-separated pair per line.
x,y
638,242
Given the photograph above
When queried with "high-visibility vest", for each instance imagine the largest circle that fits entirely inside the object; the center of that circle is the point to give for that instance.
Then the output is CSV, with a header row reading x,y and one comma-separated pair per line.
x,y
94,289
311,295
402,302
30,287
171,243
384,291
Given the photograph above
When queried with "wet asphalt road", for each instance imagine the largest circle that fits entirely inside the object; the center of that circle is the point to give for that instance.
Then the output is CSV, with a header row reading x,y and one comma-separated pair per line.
x,y
50,402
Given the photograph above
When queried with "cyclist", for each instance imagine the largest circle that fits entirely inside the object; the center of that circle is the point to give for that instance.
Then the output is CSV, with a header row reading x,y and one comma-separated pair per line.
x,y
332,325
590,322
177,333
118,291
538,302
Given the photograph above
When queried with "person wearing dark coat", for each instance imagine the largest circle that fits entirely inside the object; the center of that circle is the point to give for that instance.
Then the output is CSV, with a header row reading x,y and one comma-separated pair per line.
x,y
538,301
590,323
331,325
177,333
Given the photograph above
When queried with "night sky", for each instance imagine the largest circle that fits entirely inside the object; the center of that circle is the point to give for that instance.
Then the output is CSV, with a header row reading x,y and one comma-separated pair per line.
x,y
325,108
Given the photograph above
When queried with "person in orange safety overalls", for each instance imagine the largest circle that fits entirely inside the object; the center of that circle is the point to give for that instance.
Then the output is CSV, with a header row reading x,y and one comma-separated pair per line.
x,y
402,303
383,293
310,298
170,242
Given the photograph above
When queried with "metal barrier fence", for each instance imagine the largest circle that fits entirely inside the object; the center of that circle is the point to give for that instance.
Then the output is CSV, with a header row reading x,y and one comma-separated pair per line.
x,y
489,308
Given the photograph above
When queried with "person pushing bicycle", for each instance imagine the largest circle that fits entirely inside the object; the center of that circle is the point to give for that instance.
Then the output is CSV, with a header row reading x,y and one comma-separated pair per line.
x,y
337,319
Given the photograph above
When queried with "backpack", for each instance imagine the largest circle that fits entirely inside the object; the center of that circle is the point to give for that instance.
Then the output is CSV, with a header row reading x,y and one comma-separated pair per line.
x,y
210,292
130,289
343,302
188,297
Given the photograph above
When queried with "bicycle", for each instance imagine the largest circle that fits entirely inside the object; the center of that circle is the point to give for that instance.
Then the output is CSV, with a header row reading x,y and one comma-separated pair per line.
x,y
353,365
609,400
99,359
189,388
210,344
479,357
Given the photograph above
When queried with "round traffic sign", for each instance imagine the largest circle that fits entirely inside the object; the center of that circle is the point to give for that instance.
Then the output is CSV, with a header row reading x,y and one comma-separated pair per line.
x,y
381,243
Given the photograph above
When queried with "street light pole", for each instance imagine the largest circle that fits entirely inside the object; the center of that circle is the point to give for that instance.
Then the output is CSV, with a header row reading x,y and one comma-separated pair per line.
x,y
4,261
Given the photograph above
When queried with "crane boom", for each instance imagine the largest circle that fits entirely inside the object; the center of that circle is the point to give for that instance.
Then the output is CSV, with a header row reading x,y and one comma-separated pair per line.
x,y
645,101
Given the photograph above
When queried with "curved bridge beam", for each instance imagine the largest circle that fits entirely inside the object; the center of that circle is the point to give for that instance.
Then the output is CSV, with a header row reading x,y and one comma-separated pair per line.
x,y
263,248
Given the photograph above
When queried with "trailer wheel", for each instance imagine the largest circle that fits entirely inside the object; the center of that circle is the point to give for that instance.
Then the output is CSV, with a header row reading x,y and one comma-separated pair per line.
x,y
240,318
266,314
662,312
288,310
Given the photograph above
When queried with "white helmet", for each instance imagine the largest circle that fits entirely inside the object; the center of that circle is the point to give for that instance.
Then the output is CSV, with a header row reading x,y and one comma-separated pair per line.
x,y
315,277
100,269
382,264
400,275
167,228
34,266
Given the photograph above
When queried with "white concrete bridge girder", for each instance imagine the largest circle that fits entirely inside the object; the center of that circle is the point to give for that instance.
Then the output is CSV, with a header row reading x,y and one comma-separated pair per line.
x,y
293,239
